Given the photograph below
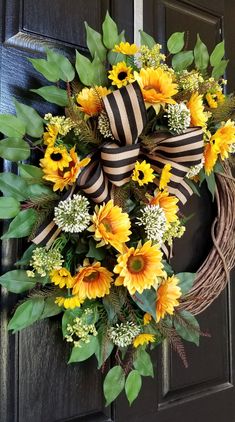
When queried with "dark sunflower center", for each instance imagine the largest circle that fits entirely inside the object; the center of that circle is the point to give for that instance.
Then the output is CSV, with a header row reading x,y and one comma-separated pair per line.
x,y
56,156
122,76
135,264
92,277
141,175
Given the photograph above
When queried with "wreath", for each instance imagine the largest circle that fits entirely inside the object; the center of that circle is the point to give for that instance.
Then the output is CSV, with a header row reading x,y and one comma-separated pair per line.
x,y
102,200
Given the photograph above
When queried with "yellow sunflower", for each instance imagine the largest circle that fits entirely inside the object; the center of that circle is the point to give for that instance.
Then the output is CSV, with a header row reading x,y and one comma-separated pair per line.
x,y
167,297
50,135
165,176
139,268
69,302
92,281
157,87
56,158
147,318
142,339
211,152
68,175
121,74
111,225
196,107
215,99
89,99
142,173
168,203
126,48
62,278
224,137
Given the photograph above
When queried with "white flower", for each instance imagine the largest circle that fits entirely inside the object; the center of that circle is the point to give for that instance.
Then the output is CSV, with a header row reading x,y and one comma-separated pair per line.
x,y
178,118
154,221
123,334
232,149
194,170
72,215
44,261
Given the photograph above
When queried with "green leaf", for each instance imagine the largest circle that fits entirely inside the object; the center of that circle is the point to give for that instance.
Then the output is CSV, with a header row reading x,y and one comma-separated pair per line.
x,y
201,55
50,308
142,363
27,255
53,95
13,185
147,40
36,191
84,69
14,149
114,58
104,349
22,224
33,122
26,314
46,68
85,351
217,54
133,385
110,32
176,42
194,186
113,384
211,184
186,281
17,281
9,207
182,60
94,252
219,70
167,268
11,126
99,72
184,331
94,43
62,65
29,172
146,301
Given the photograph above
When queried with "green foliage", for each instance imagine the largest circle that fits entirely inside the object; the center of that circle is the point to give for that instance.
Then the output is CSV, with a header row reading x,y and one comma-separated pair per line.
x,y
182,60
99,72
38,191
142,363
94,252
17,281
14,149
61,65
9,207
176,42
201,55
94,43
12,185
27,255
193,186
168,268
22,224
133,385
114,383
105,347
110,32
47,69
50,308
186,281
53,95
147,40
146,301
85,351
26,314
187,327
11,126
90,73
33,122
68,318
114,58
30,172
211,183
217,54
219,70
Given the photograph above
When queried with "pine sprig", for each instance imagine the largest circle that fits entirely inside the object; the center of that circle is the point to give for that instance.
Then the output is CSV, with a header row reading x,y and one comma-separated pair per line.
x,y
175,341
186,324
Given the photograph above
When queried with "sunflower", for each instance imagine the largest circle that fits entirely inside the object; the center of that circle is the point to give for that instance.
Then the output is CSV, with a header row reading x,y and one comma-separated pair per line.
x,y
215,99
224,137
139,268
211,152
89,99
68,175
62,278
157,87
92,281
142,339
196,107
142,173
147,318
56,158
168,203
167,297
126,48
165,176
69,302
111,225
50,135
121,74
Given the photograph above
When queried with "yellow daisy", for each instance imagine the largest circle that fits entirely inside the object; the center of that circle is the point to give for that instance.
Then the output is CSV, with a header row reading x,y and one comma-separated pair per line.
x,y
157,87
56,158
196,107
168,203
50,135
165,176
224,137
147,318
121,74
89,99
92,281
143,339
139,268
62,278
111,225
142,173
215,99
70,302
126,48
211,152
167,297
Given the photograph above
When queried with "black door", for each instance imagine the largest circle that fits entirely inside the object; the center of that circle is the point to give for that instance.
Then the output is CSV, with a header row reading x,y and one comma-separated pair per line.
x,y
36,383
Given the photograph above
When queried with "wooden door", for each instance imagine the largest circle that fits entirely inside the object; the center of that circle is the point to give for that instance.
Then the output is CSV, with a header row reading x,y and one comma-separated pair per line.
x,y
36,383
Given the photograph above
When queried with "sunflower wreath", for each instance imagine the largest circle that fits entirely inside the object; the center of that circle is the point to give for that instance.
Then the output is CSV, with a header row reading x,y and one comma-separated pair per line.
x,y
104,201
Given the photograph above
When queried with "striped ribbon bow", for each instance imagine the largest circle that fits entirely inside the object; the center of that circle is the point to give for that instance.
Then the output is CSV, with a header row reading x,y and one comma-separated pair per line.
x,y
113,162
